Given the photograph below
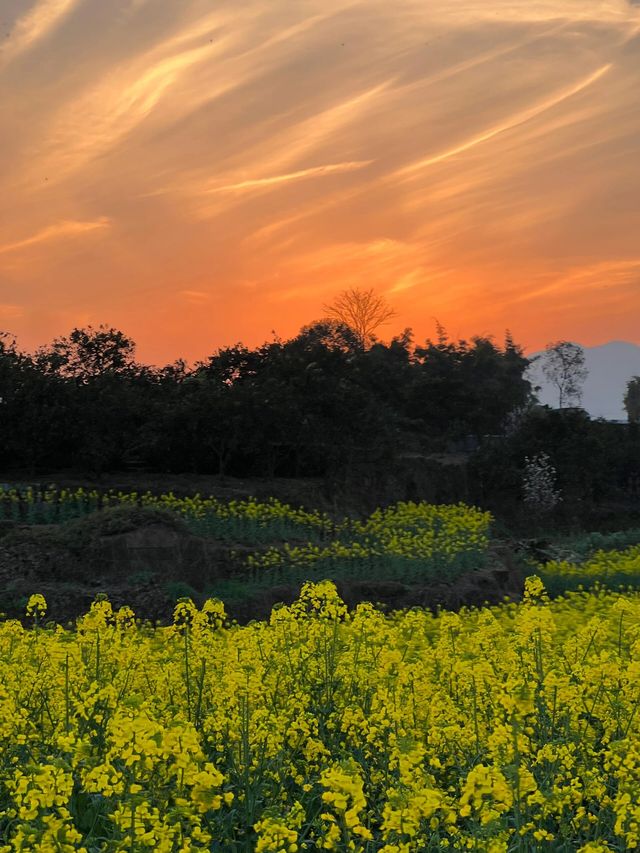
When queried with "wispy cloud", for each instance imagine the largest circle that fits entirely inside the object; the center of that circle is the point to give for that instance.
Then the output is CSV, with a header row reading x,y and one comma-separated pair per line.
x,y
218,46
61,230
392,265
590,277
275,154
106,112
514,121
197,297
455,156
313,172
42,19
305,136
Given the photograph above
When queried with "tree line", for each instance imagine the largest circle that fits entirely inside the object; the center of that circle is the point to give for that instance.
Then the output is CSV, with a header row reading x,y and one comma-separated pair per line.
x,y
318,402
322,403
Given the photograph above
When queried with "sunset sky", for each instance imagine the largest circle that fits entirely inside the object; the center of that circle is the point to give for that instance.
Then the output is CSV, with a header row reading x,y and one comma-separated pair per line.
x,y
198,172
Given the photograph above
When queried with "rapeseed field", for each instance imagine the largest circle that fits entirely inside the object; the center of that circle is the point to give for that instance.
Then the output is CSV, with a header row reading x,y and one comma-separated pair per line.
x,y
612,568
248,519
512,728
411,542
407,541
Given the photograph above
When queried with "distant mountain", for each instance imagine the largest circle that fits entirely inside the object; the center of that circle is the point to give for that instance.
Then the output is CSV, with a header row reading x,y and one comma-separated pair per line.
x,y
610,367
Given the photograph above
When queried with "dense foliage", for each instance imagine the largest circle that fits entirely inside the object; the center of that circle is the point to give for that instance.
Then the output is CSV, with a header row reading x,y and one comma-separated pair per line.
x,y
505,729
595,461
310,405
320,404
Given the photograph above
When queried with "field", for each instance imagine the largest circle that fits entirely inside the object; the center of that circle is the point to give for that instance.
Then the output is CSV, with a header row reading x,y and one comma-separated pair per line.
x,y
247,552
508,728
501,728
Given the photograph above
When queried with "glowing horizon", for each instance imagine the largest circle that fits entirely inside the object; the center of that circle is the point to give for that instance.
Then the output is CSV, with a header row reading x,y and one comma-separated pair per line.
x,y
196,176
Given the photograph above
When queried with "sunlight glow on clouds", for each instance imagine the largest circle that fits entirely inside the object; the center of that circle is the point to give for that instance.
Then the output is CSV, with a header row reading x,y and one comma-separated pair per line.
x,y
54,232
314,171
37,23
200,173
513,121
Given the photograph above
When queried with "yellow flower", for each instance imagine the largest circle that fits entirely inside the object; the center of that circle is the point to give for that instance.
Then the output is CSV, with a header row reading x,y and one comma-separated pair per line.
x,y
36,606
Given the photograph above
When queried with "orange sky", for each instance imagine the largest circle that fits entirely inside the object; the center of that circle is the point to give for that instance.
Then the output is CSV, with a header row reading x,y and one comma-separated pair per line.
x,y
198,172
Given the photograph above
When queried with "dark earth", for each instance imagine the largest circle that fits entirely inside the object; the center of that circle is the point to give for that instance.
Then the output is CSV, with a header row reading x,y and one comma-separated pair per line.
x,y
148,558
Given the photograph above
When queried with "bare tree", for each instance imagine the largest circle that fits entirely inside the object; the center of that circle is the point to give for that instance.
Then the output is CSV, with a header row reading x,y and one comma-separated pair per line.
x,y
563,366
362,311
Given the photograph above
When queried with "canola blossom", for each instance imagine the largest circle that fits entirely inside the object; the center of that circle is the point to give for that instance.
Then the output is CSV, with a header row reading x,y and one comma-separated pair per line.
x,y
512,728
601,565
408,541
249,520
608,568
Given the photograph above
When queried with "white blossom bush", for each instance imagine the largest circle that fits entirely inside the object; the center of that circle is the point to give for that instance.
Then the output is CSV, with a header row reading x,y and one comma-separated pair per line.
x,y
539,484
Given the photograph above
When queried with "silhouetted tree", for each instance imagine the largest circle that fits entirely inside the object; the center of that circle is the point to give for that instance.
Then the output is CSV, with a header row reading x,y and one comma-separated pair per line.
x,y
362,311
632,400
319,404
98,370
38,427
332,334
563,365
88,353
467,389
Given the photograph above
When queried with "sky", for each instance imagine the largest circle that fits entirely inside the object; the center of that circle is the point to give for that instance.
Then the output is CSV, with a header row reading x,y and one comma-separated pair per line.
x,y
202,172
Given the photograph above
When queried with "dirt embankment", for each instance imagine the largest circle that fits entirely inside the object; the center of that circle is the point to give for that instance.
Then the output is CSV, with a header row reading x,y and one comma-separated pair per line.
x,y
142,557
148,558
475,589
